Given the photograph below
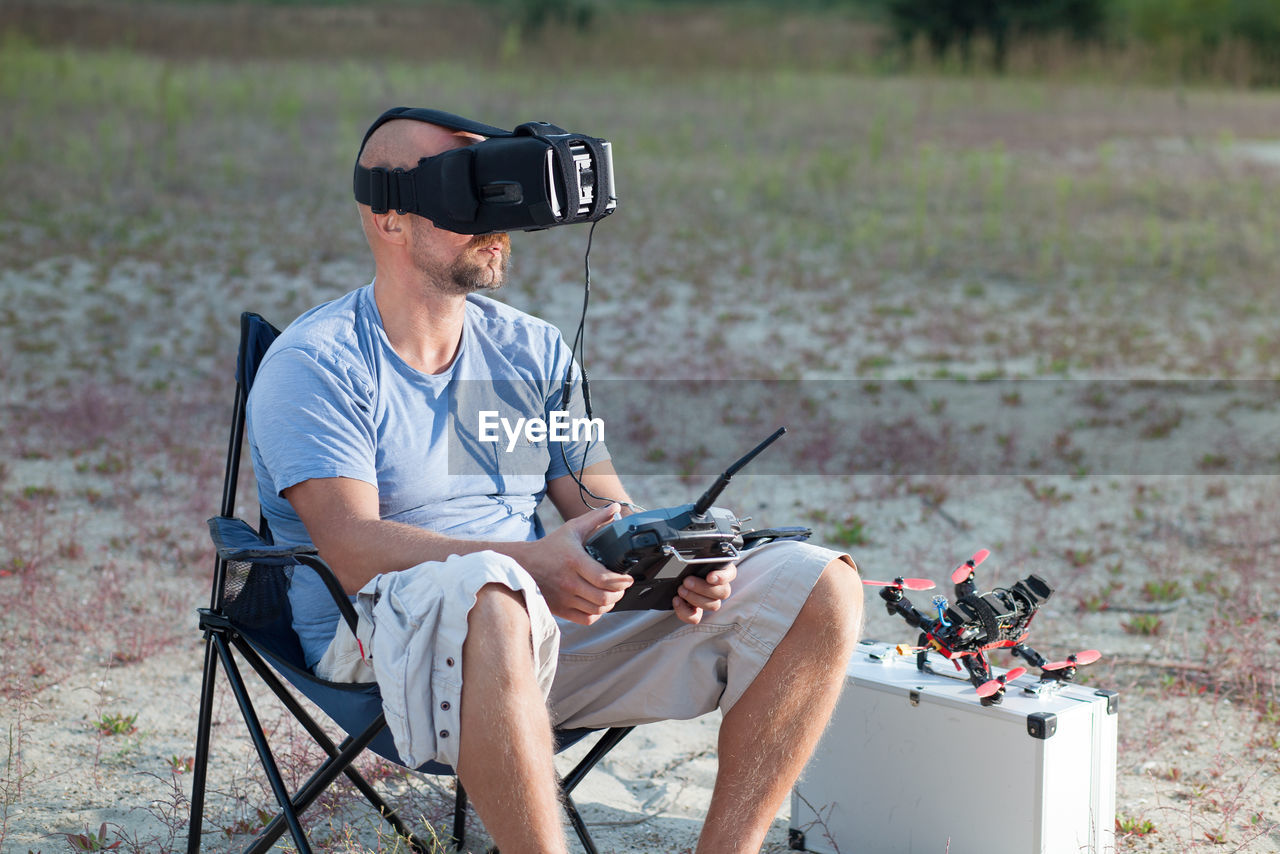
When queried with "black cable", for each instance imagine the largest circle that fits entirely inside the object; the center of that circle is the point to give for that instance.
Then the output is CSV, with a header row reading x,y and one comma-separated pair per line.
x,y
578,351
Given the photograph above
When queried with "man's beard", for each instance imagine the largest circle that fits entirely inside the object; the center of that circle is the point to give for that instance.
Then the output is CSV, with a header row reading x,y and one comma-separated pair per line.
x,y
475,268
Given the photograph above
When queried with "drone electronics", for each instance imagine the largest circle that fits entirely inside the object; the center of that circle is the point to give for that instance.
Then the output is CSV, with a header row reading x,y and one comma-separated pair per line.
x,y
659,548
964,631
534,177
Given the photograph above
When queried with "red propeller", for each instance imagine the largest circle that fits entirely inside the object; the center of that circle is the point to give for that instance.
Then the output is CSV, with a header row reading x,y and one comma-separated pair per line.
x,y
900,583
965,570
1080,659
986,689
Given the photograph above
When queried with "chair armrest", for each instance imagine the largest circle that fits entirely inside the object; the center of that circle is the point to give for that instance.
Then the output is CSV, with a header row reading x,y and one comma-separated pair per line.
x,y
330,580
236,540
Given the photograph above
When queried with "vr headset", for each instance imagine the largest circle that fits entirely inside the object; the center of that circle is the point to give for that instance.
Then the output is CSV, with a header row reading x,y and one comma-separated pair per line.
x,y
533,177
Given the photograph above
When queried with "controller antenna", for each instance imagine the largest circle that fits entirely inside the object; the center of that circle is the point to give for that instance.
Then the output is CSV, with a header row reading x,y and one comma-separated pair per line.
x,y
709,497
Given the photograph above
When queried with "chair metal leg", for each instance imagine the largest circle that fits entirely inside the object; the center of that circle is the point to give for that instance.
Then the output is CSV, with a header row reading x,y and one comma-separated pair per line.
x,y
579,826
459,836
571,780
568,783
312,789
203,727
259,738
607,742
339,761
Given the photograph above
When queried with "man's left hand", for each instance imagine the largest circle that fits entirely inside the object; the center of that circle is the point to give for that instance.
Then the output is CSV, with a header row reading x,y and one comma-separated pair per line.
x,y
697,595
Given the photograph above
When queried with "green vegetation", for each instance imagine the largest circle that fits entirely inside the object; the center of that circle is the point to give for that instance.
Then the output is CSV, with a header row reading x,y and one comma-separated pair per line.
x,y
1132,826
958,24
849,532
1165,590
116,724
91,841
882,172
1144,624
1236,40
1201,35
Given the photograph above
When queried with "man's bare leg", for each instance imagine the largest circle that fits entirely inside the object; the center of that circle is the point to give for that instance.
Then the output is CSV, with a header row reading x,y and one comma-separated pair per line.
x,y
766,738
505,758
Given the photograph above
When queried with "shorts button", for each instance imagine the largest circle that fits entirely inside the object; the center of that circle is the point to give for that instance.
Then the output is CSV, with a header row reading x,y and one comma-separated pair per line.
x,y
444,733
449,662
444,706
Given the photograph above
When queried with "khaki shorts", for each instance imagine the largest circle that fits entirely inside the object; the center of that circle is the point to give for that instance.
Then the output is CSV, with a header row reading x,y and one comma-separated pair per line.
x,y
641,666
628,668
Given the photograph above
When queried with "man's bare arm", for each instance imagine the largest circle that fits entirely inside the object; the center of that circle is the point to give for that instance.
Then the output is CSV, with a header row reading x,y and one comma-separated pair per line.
x,y
600,478
341,515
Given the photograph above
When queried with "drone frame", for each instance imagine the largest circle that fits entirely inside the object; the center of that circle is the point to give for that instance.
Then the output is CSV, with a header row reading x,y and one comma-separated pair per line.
x,y
966,643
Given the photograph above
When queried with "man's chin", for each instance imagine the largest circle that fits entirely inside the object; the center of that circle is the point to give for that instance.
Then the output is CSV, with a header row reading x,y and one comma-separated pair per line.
x,y
470,273
486,280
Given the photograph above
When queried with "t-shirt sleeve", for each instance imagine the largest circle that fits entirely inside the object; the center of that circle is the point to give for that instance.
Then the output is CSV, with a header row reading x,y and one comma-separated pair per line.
x,y
585,444
311,417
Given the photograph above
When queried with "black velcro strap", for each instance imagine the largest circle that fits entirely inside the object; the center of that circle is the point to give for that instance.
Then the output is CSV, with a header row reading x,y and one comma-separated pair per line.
x,y
385,189
561,143
600,190
371,188
568,177
400,194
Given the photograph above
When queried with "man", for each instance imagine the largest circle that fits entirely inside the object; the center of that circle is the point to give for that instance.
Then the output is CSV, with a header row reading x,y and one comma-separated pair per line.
x,y
463,600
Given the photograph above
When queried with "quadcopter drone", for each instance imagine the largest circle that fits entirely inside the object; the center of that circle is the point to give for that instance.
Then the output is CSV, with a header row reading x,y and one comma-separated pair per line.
x,y
976,623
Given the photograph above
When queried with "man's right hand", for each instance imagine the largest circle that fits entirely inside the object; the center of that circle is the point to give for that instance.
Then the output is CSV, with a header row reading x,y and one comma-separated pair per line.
x,y
575,587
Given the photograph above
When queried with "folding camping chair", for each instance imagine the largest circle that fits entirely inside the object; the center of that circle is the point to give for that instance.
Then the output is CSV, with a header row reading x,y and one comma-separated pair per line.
x,y
249,614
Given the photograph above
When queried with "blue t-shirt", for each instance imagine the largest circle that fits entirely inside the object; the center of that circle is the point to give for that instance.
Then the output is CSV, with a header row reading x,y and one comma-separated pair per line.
x,y
447,452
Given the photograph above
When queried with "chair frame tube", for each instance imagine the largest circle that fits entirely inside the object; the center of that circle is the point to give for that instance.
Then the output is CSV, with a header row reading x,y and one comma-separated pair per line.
x,y
260,744
340,756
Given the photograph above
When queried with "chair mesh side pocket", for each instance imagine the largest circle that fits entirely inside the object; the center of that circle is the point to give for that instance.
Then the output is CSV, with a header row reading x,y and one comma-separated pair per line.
x,y
256,594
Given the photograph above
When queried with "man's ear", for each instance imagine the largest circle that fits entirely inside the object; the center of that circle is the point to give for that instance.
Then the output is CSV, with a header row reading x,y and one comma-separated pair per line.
x,y
391,227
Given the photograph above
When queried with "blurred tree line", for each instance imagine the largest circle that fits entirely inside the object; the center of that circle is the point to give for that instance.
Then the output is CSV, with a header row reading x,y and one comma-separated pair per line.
x,y
1194,39
1189,33
957,24
1192,30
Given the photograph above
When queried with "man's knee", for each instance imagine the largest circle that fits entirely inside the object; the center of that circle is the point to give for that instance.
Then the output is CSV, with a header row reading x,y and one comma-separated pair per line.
x,y
835,603
499,616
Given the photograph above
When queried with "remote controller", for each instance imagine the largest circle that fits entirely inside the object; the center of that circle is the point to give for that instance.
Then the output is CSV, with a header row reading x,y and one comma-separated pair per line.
x,y
659,548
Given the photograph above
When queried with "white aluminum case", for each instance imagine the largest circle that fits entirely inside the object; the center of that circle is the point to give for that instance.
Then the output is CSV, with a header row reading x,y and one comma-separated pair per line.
x,y
912,762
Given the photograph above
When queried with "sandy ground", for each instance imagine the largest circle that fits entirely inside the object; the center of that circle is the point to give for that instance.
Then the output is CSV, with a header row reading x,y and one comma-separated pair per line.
x,y
1190,762
105,495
